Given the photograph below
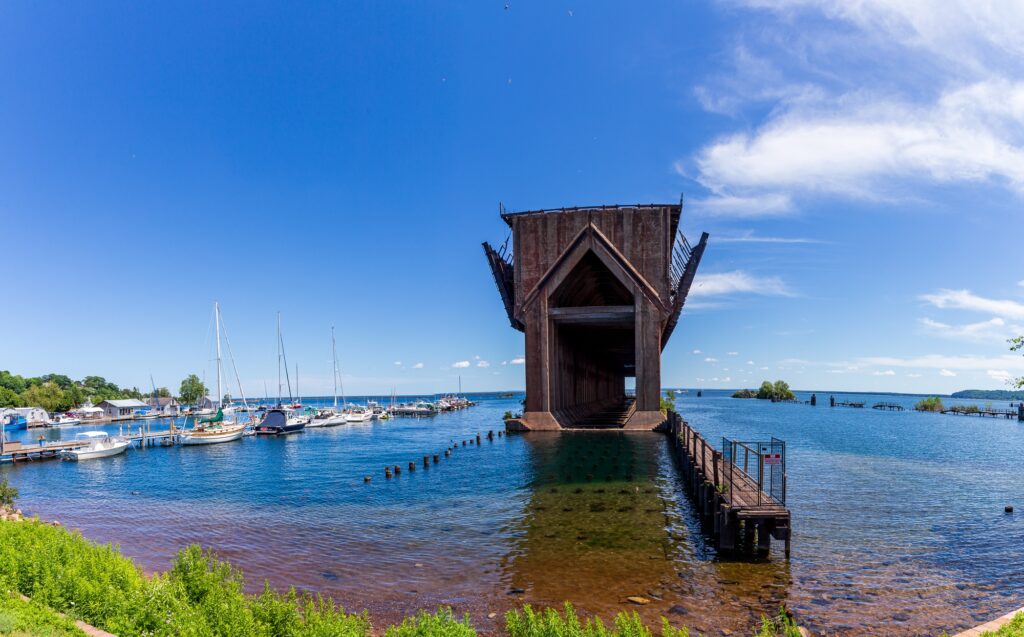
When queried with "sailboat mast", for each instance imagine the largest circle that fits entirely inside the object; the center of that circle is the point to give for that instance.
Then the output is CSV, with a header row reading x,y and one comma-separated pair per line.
x,y
216,318
298,395
334,357
278,359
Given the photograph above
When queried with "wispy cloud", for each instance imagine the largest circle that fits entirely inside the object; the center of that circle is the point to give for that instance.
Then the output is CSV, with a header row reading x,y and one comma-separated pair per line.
x,y
710,360
460,364
482,363
398,363
999,374
750,237
993,330
947,372
518,360
875,141
418,366
888,372
967,300
949,363
750,207
738,282
697,351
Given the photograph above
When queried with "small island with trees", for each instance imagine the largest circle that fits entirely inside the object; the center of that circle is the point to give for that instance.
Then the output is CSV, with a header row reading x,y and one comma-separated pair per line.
x,y
777,391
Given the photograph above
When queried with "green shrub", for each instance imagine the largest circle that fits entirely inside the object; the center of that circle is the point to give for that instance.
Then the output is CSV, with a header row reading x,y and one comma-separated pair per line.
x,y
745,393
18,617
549,623
8,494
1015,628
782,625
933,403
440,624
668,401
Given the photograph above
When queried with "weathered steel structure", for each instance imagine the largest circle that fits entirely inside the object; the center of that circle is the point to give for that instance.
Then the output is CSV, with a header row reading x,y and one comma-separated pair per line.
x,y
598,292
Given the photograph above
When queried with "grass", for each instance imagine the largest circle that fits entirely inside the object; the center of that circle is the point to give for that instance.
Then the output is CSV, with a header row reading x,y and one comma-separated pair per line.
x,y
1015,628
19,618
203,596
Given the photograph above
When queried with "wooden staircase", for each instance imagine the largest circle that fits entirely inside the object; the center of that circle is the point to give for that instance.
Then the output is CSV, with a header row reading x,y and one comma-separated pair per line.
x,y
614,417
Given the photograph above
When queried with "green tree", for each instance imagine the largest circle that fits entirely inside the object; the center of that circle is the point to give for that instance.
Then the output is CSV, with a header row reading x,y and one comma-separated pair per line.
x,y
7,494
782,391
668,401
9,398
12,382
1016,345
191,390
766,391
46,395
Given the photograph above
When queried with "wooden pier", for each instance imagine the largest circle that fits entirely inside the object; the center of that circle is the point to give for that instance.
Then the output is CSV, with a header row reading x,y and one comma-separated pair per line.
x,y
740,491
21,452
888,407
984,413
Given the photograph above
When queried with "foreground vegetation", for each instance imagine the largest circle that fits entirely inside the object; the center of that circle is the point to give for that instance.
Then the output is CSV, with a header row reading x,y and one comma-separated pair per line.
x,y
1015,628
204,596
20,618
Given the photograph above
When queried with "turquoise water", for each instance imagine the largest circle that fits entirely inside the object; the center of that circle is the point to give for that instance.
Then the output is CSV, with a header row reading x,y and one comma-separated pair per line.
x,y
898,517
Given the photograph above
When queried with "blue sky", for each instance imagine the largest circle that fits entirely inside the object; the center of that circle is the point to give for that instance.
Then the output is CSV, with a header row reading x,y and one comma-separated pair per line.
x,y
860,167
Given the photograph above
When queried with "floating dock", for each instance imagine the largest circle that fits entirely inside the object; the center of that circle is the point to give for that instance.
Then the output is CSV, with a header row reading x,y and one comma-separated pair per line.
x,y
740,490
21,452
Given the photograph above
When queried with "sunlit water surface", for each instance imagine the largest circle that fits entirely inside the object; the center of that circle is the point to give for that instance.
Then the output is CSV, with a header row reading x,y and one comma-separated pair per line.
x,y
898,517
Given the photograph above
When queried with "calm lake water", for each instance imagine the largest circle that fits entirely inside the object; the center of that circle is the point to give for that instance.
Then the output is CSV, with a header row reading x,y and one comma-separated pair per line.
x,y
898,517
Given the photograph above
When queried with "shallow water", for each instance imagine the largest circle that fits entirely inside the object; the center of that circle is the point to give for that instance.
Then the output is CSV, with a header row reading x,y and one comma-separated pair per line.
x,y
898,517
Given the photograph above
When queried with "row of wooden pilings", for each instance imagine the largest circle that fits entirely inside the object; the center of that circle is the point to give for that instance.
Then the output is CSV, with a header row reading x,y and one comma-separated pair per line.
x,y
702,469
396,470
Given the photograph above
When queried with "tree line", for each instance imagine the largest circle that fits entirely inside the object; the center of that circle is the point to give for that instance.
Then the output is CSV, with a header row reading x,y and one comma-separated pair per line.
x,y
58,392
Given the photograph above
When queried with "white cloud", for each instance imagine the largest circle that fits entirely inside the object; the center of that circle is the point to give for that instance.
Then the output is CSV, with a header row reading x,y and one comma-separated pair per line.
x,y
749,207
738,281
710,360
726,379
946,372
947,363
966,300
750,362
843,118
914,375
732,353
418,366
887,372
460,364
476,358
750,237
482,363
399,363
697,351
999,374
1021,283
518,361
995,329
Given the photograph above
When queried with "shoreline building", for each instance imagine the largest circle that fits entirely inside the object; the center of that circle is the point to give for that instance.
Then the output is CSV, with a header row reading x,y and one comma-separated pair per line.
x,y
598,292
122,409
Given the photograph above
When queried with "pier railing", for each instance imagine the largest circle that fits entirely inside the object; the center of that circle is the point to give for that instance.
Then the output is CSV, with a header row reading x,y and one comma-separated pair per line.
x,y
762,463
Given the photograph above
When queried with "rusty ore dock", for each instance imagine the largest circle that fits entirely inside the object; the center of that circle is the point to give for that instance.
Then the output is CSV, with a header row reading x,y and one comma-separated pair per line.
x,y
598,292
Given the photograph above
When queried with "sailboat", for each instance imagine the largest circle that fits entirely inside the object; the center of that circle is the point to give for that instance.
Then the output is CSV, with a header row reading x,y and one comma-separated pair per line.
x,y
214,430
279,421
330,417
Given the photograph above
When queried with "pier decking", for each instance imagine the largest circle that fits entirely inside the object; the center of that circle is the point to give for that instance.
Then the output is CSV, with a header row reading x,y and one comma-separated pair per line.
x,y
21,452
740,491
888,407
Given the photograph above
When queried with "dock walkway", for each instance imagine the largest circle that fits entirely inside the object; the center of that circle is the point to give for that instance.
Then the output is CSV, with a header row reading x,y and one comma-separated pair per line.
x,y
21,452
739,490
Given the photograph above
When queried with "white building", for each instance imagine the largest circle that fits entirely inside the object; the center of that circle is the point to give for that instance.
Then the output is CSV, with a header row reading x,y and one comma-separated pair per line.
x,y
122,409
33,415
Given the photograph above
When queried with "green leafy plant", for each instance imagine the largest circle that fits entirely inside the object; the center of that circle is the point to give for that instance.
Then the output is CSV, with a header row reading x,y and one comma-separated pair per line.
x,y
550,623
933,403
782,625
443,623
668,401
8,494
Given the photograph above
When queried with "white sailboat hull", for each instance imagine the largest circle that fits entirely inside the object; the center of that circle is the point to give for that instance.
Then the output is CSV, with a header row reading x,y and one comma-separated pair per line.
x,y
361,417
226,434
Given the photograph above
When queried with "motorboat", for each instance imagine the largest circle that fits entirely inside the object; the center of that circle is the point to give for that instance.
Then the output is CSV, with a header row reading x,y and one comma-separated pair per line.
x,y
327,417
278,422
358,414
97,444
64,420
